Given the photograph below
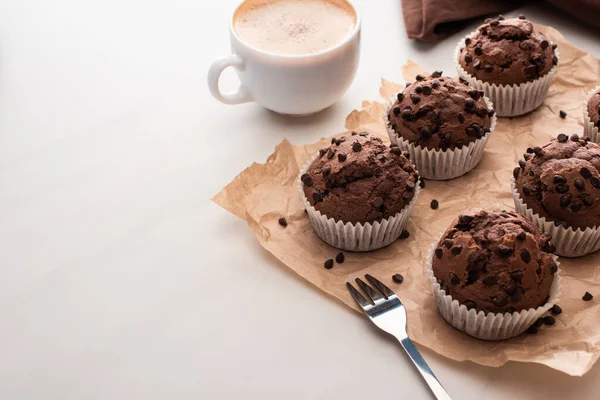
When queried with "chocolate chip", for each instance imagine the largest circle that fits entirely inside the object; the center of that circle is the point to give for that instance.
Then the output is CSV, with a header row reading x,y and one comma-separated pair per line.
x,y
322,152
306,179
562,137
341,157
476,64
463,80
586,173
554,46
587,296
562,114
544,44
565,200
468,59
396,111
454,280
406,115
415,99
548,247
282,221
333,140
588,200
437,74
470,304
468,41
478,51
562,188
328,264
531,70
529,150
405,234
419,77
575,137
525,256
491,113
354,133
494,22
538,151
522,164
410,186
400,96
356,146
457,249
500,300
397,278
557,179
556,309
339,258
554,60
316,197
576,206
595,182
408,195
364,134
509,288
419,89
326,171
448,243
490,280
396,151
579,184
461,117
426,90
521,16
434,204
422,183
538,322
439,252
330,154
526,191
517,294
488,68
549,320
516,275
516,172
522,235
377,202
482,112
466,219
504,251
532,330
553,266
425,131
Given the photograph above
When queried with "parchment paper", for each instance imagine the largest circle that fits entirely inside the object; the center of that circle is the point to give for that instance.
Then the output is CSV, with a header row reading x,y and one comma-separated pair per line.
x,y
264,192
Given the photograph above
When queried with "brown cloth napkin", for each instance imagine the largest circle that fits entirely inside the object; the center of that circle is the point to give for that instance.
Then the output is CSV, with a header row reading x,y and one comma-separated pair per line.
x,y
433,20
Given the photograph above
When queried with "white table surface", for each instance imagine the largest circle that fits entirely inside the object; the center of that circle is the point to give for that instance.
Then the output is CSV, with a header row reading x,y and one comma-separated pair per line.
x,y
119,279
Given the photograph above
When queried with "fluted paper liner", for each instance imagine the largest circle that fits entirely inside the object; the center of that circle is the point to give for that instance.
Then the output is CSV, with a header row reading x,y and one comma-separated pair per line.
x,y
441,165
491,326
509,100
569,242
589,129
268,190
356,237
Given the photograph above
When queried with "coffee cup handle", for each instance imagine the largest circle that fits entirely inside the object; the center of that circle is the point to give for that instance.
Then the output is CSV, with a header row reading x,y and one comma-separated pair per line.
x,y
241,95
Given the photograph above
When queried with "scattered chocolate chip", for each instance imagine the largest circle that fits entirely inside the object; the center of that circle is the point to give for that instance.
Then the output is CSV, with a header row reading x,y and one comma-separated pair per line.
x,y
538,322
562,137
454,280
549,320
306,179
587,296
521,16
339,258
322,152
532,330
456,249
588,200
426,90
448,243
565,200
576,206
328,264
562,114
396,111
575,137
554,46
556,309
354,133
341,157
509,288
554,60
356,146
468,59
316,197
400,96
398,278
595,182
415,99
557,179
525,256
330,154
466,219
478,51
405,234
579,184
425,131
538,151
516,275
562,188
461,117
396,151
544,44
439,252
517,294
419,77
516,172
468,41
504,251
490,280
491,113
282,221
586,173
407,115
522,164
488,68
463,80
500,300
522,235
419,89
470,304
434,204
364,134
553,267
526,191
408,195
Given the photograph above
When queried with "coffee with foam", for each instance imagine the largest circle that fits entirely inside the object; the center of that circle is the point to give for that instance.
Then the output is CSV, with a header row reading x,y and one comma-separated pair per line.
x,y
294,27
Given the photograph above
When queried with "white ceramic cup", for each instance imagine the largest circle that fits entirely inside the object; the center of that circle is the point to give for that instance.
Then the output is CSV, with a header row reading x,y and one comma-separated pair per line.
x,y
288,84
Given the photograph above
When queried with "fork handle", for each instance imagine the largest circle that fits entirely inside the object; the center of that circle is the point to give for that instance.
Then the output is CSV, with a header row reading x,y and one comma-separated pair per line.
x,y
435,385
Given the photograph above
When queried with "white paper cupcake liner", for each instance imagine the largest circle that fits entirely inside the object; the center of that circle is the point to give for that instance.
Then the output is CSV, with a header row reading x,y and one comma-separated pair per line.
x,y
589,129
493,326
569,242
509,100
440,164
356,237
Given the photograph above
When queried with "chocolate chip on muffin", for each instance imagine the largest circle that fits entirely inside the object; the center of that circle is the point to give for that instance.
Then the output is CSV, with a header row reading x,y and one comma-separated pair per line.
x,y
448,114
363,186
593,108
504,265
562,182
507,51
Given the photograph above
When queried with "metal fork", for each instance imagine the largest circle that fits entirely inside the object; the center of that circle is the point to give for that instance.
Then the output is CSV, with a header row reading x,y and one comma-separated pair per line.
x,y
387,312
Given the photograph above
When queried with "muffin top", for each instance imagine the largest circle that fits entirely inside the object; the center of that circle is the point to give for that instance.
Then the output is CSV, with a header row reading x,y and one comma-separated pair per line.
x,y
561,181
507,52
440,113
594,108
495,262
358,179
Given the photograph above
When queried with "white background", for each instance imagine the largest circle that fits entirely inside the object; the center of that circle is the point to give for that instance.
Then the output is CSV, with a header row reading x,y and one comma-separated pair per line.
x,y
119,279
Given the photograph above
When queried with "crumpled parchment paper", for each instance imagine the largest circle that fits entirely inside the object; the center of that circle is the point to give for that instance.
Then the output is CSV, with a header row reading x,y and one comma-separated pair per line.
x,y
263,193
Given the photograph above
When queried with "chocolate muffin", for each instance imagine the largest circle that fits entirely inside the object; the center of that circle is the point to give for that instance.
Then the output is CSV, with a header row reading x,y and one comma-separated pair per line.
x,y
359,179
561,181
495,262
507,52
593,108
440,113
